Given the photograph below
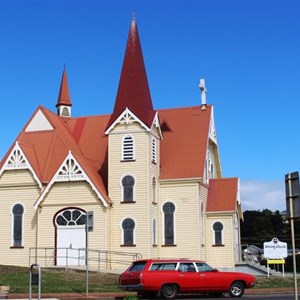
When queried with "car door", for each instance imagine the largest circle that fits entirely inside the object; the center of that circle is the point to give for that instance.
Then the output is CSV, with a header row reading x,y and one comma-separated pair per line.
x,y
209,278
188,277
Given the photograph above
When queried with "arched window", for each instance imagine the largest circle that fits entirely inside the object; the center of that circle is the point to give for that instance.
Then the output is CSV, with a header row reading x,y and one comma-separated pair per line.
x,y
17,211
128,226
128,148
128,186
153,190
218,233
154,150
70,217
168,210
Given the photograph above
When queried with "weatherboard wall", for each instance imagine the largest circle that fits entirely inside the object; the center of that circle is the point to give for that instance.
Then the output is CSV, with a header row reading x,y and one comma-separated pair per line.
x,y
17,187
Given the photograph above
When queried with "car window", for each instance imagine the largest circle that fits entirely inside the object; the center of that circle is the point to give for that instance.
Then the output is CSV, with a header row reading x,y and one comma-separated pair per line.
x,y
187,267
138,266
162,266
202,267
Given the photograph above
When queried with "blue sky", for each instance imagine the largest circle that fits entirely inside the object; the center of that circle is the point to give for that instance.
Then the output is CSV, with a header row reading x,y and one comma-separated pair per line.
x,y
247,51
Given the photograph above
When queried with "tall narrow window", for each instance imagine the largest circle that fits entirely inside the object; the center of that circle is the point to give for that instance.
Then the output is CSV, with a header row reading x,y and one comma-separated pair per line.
x,y
128,185
128,226
17,211
169,209
218,228
154,150
154,232
128,148
153,190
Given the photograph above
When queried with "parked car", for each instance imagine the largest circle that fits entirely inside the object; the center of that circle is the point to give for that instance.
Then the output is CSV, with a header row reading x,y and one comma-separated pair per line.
x,y
168,277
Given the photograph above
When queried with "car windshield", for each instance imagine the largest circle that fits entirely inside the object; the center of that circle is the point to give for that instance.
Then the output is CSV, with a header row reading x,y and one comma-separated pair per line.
x,y
203,267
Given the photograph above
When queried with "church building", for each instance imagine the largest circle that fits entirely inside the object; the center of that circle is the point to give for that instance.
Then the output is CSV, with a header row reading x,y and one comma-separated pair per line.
x,y
149,179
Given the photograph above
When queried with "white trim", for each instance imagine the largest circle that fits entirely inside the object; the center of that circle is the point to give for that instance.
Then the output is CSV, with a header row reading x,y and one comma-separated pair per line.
x,y
126,117
69,170
156,124
154,231
17,160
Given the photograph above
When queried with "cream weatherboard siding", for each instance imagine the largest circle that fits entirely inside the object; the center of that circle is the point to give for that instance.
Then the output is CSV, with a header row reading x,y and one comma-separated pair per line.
x,y
17,187
139,169
72,195
203,192
185,196
220,256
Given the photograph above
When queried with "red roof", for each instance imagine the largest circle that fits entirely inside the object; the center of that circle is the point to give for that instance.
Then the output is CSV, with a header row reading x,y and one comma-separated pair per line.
x,y
133,91
185,139
64,94
222,195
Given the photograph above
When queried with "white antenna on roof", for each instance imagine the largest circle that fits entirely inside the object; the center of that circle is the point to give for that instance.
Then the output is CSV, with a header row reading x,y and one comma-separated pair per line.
x,y
203,93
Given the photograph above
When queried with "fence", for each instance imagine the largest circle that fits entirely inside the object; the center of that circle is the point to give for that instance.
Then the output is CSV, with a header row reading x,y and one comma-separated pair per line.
x,y
98,260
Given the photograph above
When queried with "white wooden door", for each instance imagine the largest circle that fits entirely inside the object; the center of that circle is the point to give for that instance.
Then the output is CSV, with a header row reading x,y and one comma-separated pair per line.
x,y
71,238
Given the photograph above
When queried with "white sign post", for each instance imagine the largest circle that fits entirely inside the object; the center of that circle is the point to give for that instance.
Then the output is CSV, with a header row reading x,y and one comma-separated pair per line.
x,y
275,252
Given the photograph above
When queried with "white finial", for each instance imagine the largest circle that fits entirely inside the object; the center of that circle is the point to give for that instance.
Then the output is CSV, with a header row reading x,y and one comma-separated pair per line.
x,y
203,92
133,16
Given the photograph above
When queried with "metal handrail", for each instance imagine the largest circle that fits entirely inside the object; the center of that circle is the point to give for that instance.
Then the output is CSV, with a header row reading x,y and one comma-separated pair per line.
x,y
48,257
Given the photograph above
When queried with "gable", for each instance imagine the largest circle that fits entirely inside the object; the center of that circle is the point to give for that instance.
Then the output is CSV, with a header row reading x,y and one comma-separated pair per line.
x,y
38,123
17,160
127,117
70,170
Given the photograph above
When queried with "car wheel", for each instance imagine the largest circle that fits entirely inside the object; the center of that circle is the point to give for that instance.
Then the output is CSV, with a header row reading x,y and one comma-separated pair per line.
x,y
236,289
169,291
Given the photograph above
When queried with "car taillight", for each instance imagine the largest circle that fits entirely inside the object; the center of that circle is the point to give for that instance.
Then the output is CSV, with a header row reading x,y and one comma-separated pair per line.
x,y
141,277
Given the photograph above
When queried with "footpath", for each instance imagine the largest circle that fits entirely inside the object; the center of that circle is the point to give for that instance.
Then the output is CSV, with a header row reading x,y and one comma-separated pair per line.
x,y
121,295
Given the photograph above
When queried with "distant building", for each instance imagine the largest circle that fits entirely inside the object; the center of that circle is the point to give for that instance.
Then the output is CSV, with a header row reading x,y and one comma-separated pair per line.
x,y
152,179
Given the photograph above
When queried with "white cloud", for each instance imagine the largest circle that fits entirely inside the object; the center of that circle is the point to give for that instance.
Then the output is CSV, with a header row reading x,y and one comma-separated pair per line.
x,y
259,195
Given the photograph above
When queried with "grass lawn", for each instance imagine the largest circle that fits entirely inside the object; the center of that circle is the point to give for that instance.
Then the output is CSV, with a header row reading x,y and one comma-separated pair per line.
x,y
61,281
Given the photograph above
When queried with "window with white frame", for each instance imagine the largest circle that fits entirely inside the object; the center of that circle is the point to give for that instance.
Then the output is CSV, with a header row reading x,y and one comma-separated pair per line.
x,y
169,220
218,233
154,232
153,190
154,150
128,226
17,212
128,188
128,148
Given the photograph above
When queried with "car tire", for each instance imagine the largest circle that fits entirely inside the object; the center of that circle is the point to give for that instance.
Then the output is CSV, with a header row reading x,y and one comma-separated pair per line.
x,y
236,289
169,291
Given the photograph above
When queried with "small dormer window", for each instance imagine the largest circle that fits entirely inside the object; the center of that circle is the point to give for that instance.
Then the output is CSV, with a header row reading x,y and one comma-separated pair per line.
x,y
154,150
128,148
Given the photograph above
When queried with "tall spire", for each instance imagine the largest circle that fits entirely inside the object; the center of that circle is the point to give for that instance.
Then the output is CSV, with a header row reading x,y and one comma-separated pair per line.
x,y
64,100
133,91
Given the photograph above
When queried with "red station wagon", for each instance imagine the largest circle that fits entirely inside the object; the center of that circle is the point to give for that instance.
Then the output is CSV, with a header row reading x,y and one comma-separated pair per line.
x,y
168,277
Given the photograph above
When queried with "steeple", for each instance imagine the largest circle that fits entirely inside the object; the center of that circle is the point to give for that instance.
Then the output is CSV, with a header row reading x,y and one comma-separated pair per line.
x,y
133,91
64,101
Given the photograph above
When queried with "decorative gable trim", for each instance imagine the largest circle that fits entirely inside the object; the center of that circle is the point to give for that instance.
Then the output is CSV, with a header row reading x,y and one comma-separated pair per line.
x,y
70,170
39,123
156,124
127,117
212,128
17,161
